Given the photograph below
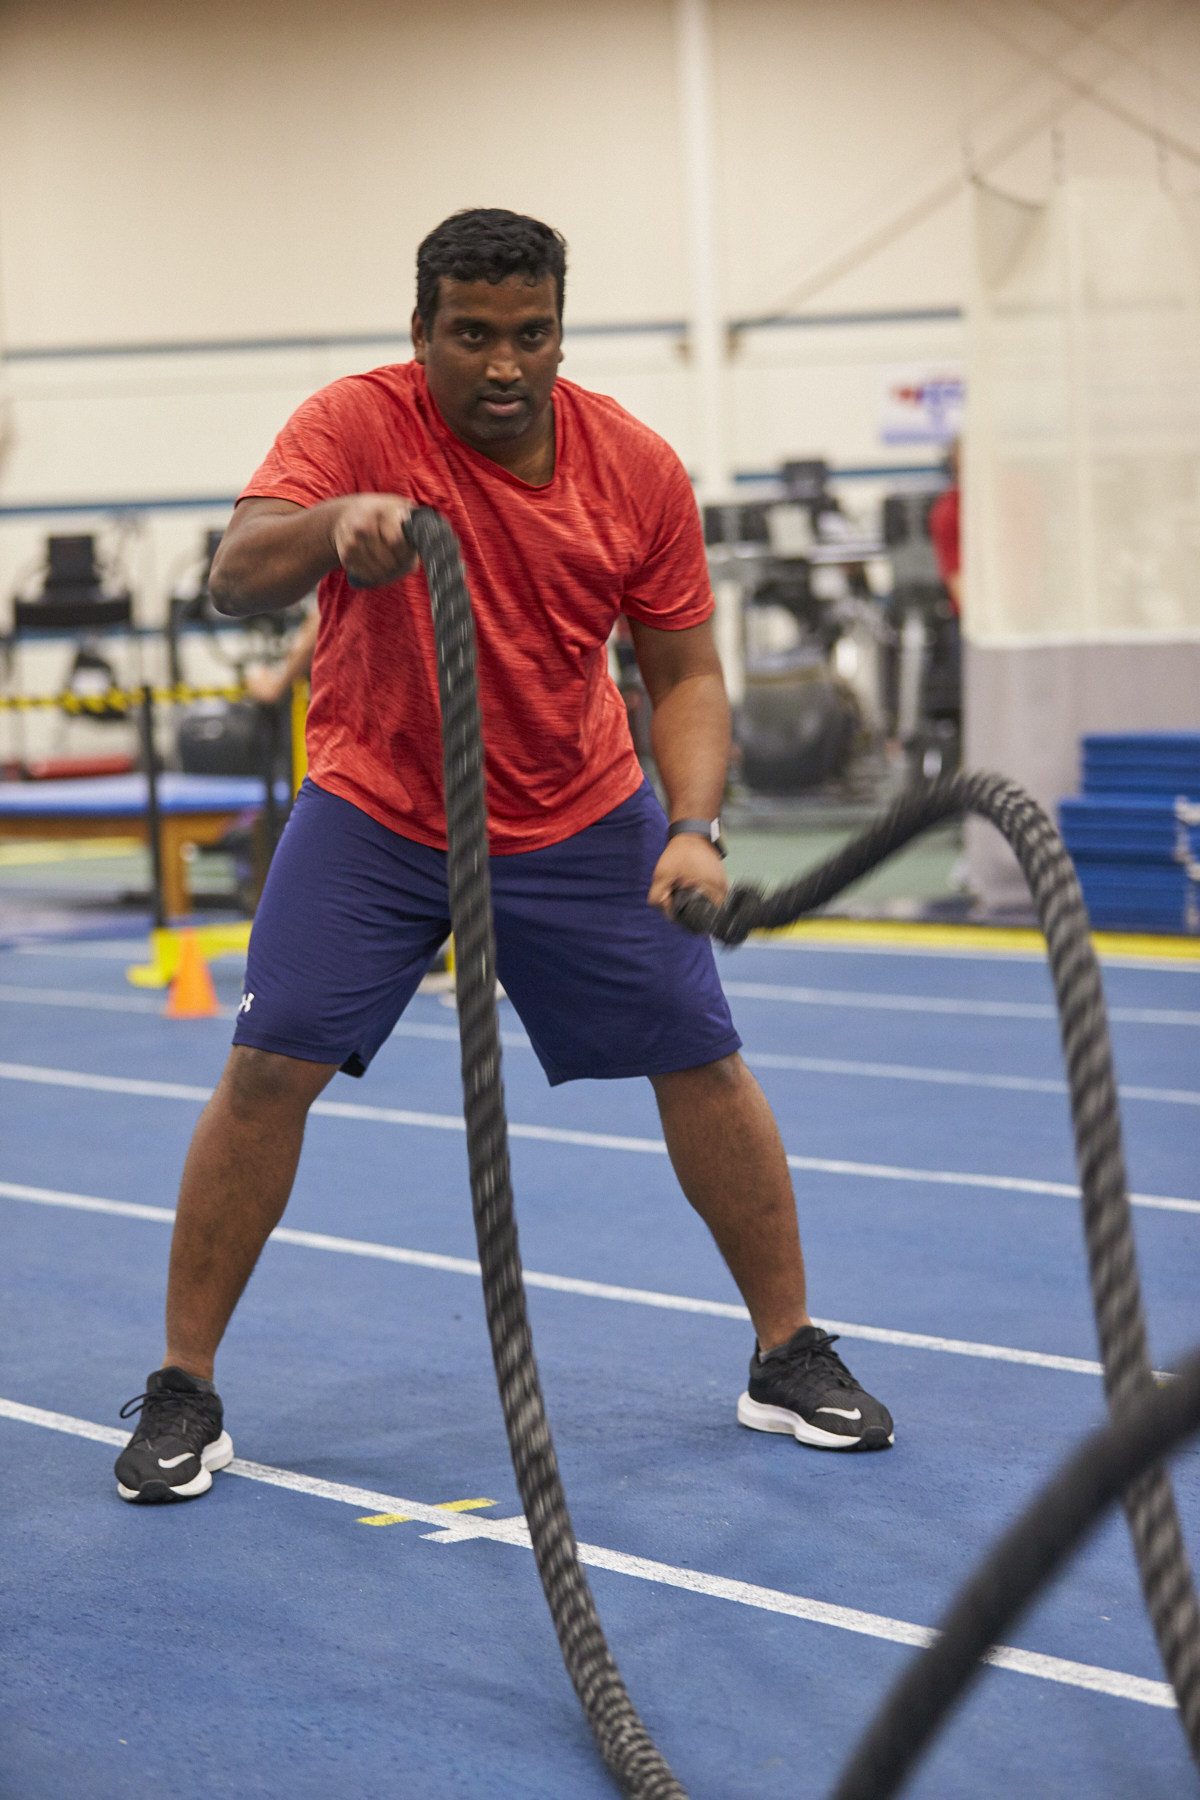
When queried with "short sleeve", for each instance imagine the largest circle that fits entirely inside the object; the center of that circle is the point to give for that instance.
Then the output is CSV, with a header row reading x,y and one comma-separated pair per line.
x,y
671,589
309,460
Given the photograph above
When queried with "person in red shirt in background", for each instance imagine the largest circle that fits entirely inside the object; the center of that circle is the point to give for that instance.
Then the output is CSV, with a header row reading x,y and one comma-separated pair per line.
x,y
944,532
569,513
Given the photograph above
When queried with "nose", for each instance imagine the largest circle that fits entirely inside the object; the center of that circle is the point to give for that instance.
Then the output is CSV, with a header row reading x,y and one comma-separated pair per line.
x,y
503,367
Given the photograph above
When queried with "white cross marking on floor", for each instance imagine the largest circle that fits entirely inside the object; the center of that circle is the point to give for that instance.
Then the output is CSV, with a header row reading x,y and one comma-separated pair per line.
x,y
515,1532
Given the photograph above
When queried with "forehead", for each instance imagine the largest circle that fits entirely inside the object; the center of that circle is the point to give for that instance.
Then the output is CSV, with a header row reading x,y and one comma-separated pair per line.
x,y
506,302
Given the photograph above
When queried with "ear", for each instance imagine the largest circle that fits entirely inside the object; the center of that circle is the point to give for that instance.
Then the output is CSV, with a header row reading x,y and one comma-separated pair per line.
x,y
420,341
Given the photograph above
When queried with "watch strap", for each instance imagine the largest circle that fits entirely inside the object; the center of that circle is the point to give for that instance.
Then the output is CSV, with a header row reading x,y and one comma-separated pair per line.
x,y
705,828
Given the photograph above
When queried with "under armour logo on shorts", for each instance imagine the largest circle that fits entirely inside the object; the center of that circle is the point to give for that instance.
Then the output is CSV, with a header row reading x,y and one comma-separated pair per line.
x,y
247,1002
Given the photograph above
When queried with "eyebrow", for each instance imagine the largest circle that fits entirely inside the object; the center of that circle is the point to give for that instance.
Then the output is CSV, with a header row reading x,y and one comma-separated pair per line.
x,y
459,321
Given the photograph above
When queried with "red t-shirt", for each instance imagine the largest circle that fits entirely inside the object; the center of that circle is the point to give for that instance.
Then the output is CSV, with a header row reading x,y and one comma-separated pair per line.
x,y
615,530
944,535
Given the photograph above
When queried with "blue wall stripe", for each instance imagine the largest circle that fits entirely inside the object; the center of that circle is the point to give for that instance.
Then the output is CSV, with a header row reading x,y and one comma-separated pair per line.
x,y
46,509
354,340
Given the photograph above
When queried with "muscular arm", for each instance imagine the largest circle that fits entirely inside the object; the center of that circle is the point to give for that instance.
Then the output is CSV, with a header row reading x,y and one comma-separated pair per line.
x,y
689,733
274,552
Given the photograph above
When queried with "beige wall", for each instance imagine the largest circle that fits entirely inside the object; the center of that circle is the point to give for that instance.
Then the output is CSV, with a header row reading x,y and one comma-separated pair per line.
x,y
236,171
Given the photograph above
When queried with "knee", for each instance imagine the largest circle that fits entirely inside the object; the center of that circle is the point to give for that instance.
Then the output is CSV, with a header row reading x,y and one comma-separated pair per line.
x,y
258,1081
724,1076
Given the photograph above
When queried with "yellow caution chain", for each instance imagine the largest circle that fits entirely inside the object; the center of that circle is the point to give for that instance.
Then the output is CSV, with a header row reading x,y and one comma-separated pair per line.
x,y
116,699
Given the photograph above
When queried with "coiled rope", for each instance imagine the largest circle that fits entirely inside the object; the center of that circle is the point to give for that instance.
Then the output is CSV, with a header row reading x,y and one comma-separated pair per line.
x,y
1095,1116
1056,1522
1149,1503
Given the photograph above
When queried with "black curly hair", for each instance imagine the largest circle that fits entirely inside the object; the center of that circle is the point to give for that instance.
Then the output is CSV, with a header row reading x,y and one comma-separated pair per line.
x,y
488,243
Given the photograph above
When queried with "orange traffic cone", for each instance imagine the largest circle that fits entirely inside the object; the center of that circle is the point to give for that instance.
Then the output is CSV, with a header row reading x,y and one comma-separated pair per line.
x,y
192,994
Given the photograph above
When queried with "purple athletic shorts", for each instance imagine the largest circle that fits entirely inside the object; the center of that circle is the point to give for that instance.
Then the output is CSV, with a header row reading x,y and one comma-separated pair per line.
x,y
352,914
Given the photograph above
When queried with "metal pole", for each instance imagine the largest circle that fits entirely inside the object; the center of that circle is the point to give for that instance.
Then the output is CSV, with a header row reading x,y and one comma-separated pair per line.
x,y
706,342
269,726
706,335
153,817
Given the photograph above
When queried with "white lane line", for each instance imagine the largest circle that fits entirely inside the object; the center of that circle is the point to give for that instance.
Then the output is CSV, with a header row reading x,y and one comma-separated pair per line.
x,y
1021,1084
515,1533
921,1003
149,1005
569,1284
103,1084
739,990
134,1003
96,949
760,1059
121,1209
596,1140
448,1034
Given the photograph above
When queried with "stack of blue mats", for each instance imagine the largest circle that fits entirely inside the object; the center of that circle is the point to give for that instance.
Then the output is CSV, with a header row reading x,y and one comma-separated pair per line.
x,y
1134,832
1146,762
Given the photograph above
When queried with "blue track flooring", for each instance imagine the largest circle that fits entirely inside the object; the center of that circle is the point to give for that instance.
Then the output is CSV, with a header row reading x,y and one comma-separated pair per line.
x,y
266,1643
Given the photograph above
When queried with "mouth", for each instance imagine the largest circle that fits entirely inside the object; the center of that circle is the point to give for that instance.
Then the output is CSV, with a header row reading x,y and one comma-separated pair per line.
x,y
502,406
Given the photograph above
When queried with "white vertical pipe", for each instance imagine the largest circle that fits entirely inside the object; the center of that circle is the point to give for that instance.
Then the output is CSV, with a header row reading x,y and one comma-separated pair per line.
x,y
693,43
728,634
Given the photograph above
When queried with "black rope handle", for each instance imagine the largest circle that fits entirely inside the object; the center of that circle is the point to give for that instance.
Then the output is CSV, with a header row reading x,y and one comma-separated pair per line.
x,y
1051,1528
1149,1502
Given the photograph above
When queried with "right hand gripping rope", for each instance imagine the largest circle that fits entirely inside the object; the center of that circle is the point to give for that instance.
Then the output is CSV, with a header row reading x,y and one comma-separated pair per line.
x,y
1149,1502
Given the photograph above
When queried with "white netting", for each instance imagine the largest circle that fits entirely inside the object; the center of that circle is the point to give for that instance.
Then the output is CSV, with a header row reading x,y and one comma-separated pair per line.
x,y
1082,503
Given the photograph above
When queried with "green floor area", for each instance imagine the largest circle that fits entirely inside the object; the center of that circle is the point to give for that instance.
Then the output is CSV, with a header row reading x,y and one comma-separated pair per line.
x,y
925,871
97,873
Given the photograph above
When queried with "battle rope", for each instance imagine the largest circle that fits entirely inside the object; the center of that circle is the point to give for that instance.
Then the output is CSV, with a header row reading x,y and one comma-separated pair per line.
x,y
1047,1532
1149,1502
1108,1226
623,1740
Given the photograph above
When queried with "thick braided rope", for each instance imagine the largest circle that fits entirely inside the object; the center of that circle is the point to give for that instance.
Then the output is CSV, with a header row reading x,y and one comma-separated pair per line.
x,y
623,1740
1107,1464
1108,1227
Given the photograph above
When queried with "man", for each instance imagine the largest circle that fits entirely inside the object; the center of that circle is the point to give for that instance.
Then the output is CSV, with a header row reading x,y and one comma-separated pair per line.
x,y
944,531
569,512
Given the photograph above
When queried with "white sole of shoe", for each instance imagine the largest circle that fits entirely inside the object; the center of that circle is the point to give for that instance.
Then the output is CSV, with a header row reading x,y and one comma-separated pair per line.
x,y
789,1424
217,1455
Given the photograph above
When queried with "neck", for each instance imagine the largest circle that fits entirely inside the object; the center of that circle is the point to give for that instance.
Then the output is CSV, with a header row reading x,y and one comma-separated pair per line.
x,y
530,457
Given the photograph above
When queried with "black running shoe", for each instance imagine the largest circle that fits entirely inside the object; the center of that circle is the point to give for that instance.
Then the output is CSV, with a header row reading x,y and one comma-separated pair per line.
x,y
803,1387
180,1439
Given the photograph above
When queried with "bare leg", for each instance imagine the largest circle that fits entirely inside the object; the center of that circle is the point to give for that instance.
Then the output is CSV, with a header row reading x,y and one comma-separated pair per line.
x,y
236,1182
726,1150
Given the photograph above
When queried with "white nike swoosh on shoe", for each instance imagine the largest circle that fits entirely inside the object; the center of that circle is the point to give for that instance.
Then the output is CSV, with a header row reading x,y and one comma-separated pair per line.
x,y
839,1410
173,1462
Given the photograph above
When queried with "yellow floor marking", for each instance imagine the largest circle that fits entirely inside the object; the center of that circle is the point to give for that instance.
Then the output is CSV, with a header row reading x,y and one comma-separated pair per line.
x,y
15,856
443,1506
978,937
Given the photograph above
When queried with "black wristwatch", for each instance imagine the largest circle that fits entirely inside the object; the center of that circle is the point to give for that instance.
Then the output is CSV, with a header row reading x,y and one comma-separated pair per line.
x,y
705,828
